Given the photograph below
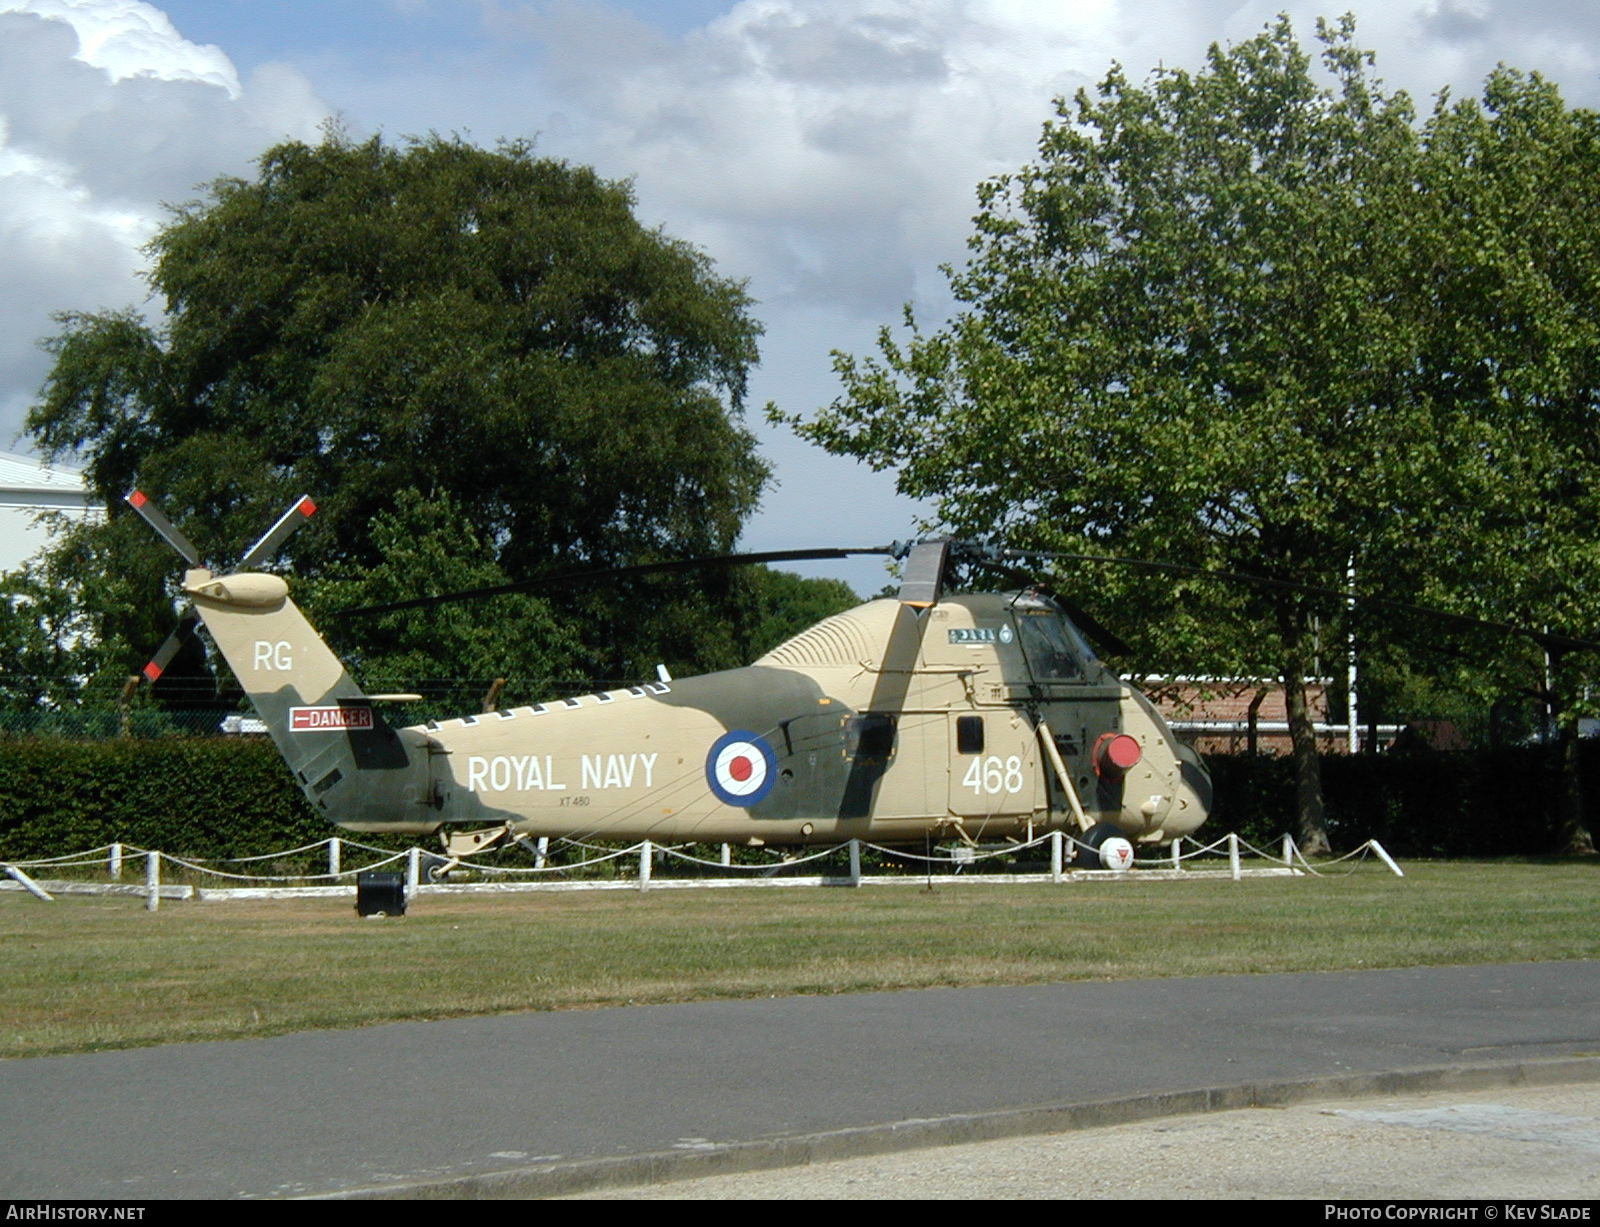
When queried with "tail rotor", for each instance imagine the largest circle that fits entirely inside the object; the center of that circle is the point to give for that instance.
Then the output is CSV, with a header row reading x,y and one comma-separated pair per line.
x,y
301,511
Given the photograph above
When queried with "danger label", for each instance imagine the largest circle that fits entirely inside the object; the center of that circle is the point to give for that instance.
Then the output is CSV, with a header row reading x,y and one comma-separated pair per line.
x,y
328,719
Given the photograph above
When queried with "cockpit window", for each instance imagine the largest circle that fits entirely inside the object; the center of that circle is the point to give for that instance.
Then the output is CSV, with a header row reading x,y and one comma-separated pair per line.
x,y
1052,645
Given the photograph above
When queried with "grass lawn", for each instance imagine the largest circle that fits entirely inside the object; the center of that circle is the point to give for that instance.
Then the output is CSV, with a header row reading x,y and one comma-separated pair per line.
x,y
89,973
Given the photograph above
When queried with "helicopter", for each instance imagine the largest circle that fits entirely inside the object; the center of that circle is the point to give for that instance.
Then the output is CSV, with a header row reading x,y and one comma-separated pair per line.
x,y
923,715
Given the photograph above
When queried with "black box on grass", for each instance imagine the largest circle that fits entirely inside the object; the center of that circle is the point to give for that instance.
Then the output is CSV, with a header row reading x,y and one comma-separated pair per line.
x,y
380,894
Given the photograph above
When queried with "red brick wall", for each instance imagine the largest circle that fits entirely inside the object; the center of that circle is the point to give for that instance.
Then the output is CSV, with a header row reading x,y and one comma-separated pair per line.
x,y
1182,700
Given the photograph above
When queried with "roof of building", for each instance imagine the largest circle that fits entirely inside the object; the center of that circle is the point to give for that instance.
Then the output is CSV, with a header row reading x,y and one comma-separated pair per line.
x,y
28,473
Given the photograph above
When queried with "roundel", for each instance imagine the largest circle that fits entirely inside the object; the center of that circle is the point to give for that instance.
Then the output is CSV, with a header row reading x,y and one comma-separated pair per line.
x,y
740,768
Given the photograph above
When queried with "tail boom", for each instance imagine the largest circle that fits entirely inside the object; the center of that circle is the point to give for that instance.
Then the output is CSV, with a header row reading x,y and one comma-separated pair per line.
x,y
351,765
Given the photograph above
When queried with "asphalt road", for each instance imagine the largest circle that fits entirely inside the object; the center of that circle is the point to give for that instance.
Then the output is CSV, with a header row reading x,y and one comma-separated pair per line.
x,y
539,1104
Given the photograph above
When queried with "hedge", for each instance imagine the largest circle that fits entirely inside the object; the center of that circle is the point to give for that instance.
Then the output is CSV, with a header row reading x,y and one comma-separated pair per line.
x,y
192,797
227,797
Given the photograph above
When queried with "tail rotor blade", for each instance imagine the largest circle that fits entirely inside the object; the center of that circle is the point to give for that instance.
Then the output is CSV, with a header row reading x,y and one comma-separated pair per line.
x,y
153,516
280,532
173,645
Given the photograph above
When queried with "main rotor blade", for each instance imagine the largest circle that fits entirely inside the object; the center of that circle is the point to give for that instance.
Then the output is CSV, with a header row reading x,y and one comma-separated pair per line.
x,y
280,532
1097,630
924,574
607,573
1545,639
153,516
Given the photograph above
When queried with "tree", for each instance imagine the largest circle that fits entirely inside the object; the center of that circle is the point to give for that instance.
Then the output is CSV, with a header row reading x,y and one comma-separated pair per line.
x,y
42,661
483,327
1242,320
1182,337
63,598
427,545
1511,180
782,604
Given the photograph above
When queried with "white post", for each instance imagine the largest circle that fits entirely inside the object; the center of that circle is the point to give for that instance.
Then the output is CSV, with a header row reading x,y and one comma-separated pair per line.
x,y
413,870
333,857
644,865
1233,854
543,849
1177,852
855,862
727,855
1288,850
28,884
1353,717
1055,856
152,881
1384,857
114,862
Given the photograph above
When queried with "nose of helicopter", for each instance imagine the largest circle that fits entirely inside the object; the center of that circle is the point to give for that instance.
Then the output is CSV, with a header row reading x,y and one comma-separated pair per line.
x,y
1191,793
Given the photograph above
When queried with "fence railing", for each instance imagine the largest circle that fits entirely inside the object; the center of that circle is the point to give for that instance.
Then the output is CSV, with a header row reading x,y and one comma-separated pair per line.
x,y
577,866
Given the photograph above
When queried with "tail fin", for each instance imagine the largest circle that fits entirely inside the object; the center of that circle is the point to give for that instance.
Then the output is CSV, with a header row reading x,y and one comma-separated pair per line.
x,y
354,768
322,723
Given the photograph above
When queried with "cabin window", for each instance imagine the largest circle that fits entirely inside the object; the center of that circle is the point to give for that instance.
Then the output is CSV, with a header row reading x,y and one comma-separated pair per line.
x,y
969,734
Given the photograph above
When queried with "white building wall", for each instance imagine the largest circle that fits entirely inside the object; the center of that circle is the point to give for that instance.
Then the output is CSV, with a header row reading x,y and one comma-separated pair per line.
x,y
29,488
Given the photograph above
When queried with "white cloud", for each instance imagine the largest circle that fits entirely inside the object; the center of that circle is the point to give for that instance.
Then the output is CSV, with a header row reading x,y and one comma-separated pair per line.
x,y
127,38
106,112
815,145
829,149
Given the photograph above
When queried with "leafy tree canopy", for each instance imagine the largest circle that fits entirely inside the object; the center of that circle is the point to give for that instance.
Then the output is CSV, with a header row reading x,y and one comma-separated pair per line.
x,y
492,331
41,631
1257,318
450,652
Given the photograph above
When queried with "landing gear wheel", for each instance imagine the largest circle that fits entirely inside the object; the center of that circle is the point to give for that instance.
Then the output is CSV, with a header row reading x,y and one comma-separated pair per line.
x,y
1090,843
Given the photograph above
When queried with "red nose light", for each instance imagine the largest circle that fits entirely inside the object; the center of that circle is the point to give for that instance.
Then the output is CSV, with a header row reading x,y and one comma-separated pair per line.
x,y
1114,755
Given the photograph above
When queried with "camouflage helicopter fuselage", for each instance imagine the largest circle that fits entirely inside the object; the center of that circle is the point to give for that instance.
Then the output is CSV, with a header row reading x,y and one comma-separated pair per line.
x,y
980,716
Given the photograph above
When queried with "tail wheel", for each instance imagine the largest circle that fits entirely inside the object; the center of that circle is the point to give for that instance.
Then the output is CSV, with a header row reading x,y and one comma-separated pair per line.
x,y
438,868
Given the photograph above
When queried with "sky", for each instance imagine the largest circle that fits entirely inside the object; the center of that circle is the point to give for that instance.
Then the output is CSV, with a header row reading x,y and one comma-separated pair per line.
x,y
826,152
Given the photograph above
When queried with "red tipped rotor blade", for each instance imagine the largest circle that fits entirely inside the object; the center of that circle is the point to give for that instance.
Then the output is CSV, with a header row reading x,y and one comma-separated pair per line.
x,y
173,645
275,536
153,516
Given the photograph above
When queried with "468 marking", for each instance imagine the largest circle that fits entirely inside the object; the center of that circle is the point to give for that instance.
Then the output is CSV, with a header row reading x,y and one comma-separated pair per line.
x,y
994,775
